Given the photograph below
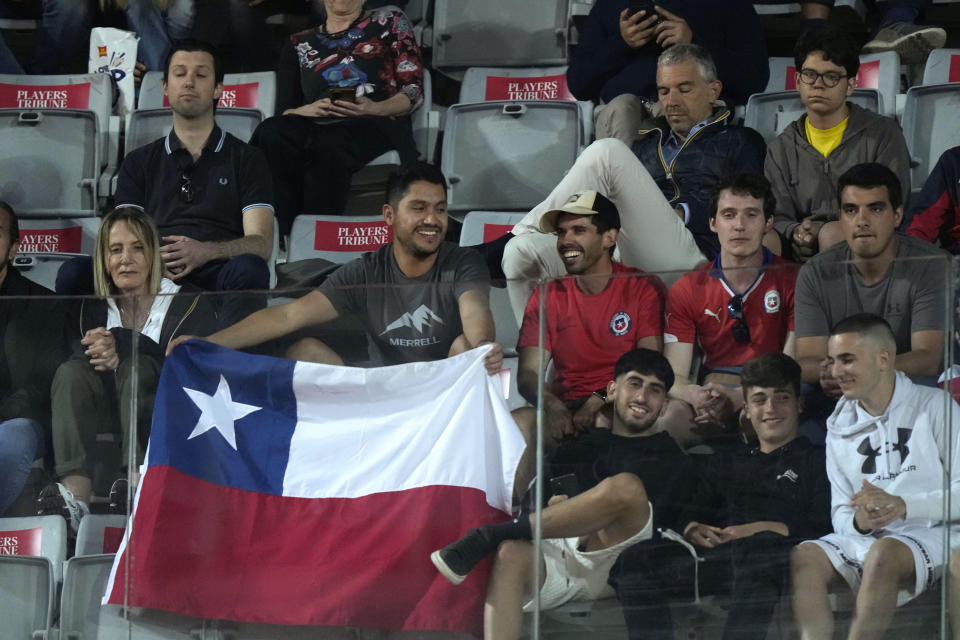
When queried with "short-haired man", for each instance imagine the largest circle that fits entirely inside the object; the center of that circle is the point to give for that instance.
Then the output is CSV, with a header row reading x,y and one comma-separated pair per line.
x,y
897,277
888,446
736,307
615,60
804,162
663,187
32,346
590,319
632,478
418,298
753,503
209,193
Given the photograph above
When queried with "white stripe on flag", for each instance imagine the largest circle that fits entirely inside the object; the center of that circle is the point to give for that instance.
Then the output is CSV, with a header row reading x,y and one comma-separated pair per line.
x,y
365,431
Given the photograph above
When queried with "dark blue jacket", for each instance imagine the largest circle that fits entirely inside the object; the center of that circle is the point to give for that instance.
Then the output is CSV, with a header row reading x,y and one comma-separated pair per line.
x,y
602,66
716,151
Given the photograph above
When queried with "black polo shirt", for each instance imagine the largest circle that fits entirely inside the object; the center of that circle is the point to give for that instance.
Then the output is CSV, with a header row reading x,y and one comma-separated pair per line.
x,y
204,200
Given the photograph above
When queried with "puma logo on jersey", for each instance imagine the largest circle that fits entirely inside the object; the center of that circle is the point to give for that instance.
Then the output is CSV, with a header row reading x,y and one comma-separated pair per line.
x,y
716,316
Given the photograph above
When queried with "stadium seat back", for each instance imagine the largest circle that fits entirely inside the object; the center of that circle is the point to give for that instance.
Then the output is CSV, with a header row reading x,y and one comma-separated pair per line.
x,y
499,33
338,239
931,125
147,125
426,128
100,533
32,551
506,154
49,162
942,66
45,244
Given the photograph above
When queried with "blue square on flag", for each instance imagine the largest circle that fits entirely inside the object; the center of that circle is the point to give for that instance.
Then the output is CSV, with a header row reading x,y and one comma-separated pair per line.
x,y
228,418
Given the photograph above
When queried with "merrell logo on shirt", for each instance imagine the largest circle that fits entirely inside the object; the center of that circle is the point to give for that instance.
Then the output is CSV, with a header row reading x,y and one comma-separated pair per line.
x,y
790,475
423,316
871,453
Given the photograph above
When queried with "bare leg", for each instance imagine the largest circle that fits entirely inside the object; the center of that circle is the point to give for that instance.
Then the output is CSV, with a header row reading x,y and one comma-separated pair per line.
x,y
955,596
508,589
610,512
888,566
79,485
526,419
812,575
772,241
313,350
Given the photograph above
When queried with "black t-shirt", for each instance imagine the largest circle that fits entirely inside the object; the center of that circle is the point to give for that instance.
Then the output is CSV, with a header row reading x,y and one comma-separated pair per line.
x,y
205,200
407,319
668,474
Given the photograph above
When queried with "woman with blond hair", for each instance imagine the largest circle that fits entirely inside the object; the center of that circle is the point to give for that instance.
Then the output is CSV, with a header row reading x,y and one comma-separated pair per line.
x,y
139,311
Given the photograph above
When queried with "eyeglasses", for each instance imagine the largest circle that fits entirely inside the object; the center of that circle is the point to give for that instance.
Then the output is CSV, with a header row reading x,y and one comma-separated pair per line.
x,y
830,78
741,332
186,188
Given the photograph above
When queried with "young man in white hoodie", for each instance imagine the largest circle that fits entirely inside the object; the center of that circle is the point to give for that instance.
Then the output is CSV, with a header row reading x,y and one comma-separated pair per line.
x,y
887,442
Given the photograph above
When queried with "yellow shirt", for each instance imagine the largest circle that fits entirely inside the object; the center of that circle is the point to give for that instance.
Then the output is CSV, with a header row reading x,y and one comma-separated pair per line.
x,y
825,140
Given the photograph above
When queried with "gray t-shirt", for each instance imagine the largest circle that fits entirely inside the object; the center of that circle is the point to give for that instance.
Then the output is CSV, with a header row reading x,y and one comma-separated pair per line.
x,y
407,319
911,298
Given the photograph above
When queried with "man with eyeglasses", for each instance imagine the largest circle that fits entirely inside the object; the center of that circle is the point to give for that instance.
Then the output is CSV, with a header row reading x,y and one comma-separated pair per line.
x,y
734,308
209,193
876,270
804,162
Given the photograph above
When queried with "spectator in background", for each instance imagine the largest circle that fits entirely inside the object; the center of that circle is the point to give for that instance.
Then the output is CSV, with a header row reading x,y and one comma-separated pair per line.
x,y
62,37
889,446
804,162
735,308
159,24
208,193
345,90
418,298
92,391
871,272
31,348
615,60
663,187
935,212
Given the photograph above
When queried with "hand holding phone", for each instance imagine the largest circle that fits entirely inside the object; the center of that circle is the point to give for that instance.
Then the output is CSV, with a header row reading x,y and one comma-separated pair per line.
x,y
638,30
344,94
565,485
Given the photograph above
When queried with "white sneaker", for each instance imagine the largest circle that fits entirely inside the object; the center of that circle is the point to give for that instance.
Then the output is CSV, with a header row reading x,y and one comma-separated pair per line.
x,y
56,499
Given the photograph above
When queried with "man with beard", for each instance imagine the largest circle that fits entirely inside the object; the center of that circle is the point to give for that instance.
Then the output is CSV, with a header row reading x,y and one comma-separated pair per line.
x,y
418,298
633,479
590,319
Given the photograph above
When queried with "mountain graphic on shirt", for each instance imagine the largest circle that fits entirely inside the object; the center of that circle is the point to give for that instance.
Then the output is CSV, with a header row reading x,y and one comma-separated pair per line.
x,y
423,316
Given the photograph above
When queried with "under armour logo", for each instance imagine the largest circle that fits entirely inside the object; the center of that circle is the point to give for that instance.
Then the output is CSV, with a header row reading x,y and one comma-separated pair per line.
x,y
870,464
716,316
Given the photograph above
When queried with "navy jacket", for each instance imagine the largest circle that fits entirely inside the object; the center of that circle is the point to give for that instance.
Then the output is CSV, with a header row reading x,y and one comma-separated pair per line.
x,y
602,66
714,152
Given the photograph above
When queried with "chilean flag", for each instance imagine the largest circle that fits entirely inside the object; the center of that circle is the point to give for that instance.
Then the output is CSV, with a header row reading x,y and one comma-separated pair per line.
x,y
302,494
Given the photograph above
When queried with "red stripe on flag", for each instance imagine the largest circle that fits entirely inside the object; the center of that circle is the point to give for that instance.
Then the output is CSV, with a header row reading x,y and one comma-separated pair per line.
x,y
209,551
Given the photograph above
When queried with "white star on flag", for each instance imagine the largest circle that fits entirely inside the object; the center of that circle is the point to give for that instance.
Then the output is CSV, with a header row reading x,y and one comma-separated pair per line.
x,y
218,412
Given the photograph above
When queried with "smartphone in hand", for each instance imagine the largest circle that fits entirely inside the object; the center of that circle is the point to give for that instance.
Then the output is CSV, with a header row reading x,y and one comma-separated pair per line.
x,y
345,94
565,485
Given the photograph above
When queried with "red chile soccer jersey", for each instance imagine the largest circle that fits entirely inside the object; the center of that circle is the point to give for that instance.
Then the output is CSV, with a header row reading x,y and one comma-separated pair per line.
x,y
697,312
586,334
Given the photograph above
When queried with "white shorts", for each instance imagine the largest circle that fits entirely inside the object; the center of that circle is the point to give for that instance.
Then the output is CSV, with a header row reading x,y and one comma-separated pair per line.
x,y
848,552
580,575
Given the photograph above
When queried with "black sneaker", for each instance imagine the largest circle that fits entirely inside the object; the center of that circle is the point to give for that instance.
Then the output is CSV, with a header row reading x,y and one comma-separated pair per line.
x,y
57,500
118,496
459,558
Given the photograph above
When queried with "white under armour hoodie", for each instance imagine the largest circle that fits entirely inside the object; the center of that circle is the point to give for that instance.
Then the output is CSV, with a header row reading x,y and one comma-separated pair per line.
x,y
903,451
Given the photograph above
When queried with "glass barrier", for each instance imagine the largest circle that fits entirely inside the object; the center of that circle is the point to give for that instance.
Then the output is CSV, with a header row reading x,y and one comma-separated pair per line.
x,y
282,498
